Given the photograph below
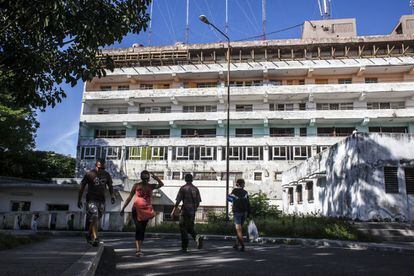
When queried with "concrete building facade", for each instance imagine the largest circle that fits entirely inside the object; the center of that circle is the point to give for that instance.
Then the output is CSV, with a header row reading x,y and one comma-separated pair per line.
x,y
366,176
163,108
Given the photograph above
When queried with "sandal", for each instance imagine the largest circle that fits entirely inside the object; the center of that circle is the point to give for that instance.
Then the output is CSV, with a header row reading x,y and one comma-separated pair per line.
x,y
139,254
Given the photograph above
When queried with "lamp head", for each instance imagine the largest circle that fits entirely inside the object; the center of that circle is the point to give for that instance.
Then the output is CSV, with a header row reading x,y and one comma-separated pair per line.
x,y
204,19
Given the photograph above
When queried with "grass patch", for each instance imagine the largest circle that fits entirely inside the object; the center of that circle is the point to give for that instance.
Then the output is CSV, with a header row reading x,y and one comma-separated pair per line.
x,y
313,227
10,241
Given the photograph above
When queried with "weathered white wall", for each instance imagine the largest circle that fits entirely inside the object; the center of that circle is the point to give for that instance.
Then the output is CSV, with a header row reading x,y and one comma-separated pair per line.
x,y
355,180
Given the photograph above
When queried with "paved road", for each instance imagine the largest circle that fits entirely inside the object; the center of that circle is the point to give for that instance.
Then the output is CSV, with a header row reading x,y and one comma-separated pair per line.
x,y
49,257
162,257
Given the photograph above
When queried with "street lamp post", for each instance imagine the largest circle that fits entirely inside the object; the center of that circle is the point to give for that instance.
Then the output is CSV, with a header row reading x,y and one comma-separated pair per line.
x,y
204,19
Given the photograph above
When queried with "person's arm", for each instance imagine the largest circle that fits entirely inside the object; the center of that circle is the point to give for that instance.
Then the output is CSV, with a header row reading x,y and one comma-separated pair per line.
x,y
110,188
198,199
177,202
160,183
248,205
128,200
81,190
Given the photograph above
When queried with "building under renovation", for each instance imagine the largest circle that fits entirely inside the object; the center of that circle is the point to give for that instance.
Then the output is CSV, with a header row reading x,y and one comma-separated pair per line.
x,y
164,108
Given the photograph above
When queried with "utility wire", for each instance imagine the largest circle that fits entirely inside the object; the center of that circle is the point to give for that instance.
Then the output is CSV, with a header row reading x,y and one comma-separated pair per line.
x,y
267,34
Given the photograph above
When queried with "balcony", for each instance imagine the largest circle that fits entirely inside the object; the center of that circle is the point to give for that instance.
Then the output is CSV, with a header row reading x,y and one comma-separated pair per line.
x,y
274,93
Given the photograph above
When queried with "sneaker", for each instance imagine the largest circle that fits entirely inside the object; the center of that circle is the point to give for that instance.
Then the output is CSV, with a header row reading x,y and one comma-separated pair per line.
x,y
95,243
199,241
139,254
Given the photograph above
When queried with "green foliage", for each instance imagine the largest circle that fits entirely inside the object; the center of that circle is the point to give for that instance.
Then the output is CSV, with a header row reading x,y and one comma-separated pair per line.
x,y
41,165
47,43
284,226
260,207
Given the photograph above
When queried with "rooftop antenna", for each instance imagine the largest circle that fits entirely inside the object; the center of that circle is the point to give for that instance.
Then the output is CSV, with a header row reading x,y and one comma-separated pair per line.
x,y
187,25
325,8
264,19
150,24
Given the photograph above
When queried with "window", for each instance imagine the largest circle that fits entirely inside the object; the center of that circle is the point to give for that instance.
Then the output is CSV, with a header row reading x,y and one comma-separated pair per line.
x,y
276,82
20,206
252,153
246,107
146,86
302,106
153,133
371,80
110,133
301,82
385,105
234,153
290,196
309,189
299,194
232,175
155,109
409,180
106,88
391,180
89,152
123,87
134,153
395,129
257,176
205,176
321,148
57,207
157,153
207,84
182,153
199,108
278,176
112,152
321,81
246,83
102,110
244,132
282,132
334,106
300,152
279,153
163,86
345,81
190,132
303,131
206,153
176,176
335,131
160,175
282,107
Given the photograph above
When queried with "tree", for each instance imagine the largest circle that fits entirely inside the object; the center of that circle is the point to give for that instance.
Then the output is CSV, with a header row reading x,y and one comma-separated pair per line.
x,y
44,43
260,207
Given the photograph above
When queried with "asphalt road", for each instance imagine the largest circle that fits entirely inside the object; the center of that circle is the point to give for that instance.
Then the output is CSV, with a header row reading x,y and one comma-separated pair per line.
x,y
162,257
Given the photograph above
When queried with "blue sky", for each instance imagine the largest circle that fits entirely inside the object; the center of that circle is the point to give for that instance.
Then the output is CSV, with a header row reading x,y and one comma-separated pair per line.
x,y
59,126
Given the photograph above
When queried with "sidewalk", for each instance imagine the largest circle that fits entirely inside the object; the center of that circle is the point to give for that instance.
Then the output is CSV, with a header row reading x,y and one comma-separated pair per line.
x,y
53,256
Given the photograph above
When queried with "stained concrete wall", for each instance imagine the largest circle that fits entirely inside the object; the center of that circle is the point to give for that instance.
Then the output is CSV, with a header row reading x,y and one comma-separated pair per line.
x,y
354,183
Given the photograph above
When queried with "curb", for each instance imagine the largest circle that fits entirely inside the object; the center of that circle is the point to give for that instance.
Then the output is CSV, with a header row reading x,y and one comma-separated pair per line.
x,y
382,247
87,264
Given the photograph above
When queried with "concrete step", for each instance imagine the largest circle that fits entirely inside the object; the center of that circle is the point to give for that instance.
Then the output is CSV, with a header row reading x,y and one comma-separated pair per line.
x,y
399,232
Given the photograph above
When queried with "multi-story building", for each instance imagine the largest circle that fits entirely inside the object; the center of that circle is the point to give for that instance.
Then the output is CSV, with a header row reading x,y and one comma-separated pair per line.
x,y
164,108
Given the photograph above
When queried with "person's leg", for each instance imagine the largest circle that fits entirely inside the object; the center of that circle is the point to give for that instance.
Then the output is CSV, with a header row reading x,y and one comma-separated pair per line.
x,y
240,235
184,235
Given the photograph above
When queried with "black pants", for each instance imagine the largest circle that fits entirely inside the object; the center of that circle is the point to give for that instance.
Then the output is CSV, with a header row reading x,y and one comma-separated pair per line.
x,y
186,227
140,226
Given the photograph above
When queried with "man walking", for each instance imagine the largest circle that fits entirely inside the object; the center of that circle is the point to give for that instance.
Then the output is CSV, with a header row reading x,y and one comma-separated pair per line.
x,y
190,196
97,180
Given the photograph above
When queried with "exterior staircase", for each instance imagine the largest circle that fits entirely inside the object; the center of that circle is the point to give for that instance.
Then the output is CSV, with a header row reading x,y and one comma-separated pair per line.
x,y
388,231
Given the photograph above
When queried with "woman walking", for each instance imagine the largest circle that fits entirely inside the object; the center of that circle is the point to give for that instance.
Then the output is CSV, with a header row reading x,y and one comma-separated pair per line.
x,y
142,210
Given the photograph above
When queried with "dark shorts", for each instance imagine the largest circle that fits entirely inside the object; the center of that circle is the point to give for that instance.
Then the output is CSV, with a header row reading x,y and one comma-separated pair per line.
x,y
94,209
239,218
